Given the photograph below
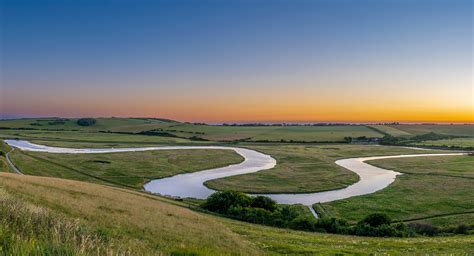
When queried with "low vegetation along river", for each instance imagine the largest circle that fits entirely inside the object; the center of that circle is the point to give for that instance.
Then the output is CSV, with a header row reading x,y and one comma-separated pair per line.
x,y
372,178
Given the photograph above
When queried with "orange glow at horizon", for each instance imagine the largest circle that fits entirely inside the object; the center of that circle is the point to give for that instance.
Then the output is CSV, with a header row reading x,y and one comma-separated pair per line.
x,y
254,111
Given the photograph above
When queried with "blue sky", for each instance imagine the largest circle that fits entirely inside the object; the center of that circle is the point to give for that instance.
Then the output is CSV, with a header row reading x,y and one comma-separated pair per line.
x,y
291,59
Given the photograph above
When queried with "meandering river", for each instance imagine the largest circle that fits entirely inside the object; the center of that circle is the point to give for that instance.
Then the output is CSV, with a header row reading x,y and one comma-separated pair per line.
x,y
372,178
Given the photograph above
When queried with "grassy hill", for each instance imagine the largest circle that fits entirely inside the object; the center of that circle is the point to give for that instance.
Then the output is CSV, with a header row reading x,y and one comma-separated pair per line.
x,y
44,216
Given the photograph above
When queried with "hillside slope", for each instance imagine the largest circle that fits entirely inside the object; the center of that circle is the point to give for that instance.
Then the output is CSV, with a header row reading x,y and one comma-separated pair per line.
x,y
142,224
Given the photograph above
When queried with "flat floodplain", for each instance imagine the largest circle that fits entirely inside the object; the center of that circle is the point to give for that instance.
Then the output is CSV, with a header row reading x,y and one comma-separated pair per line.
x,y
131,169
436,190
304,168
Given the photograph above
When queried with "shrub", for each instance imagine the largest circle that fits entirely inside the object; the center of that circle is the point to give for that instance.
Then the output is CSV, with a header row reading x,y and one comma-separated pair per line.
x,y
333,225
264,203
303,223
376,220
461,229
424,228
364,229
222,202
86,121
257,215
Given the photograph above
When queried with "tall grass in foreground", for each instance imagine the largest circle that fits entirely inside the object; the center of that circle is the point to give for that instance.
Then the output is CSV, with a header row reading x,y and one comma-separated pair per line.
x,y
29,230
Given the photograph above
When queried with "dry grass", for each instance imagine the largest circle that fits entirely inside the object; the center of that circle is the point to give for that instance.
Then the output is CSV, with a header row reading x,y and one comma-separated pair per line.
x,y
143,224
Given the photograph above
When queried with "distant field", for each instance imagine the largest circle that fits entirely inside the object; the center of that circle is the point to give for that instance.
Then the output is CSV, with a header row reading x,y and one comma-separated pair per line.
x,y
405,130
81,137
458,142
457,130
131,169
272,133
304,168
187,130
316,133
103,124
392,130
150,225
430,187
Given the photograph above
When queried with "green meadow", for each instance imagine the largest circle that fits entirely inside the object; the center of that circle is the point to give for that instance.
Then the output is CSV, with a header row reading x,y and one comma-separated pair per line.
x,y
419,129
436,190
131,169
304,168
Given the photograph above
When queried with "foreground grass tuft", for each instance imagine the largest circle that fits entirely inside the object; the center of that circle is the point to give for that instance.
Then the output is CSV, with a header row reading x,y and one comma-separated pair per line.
x,y
29,230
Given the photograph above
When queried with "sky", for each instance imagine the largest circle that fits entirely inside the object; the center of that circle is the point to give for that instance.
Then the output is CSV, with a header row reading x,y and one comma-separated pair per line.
x,y
239,60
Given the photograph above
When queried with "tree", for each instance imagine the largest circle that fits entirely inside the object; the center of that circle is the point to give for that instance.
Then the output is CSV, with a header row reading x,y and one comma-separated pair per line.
x,y
86,121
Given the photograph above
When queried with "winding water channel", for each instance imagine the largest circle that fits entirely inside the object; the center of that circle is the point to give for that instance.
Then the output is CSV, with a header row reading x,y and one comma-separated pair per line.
x,y
372,178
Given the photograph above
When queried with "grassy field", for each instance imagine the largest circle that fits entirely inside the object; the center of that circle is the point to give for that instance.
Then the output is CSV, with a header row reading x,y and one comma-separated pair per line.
x,y
273,133
304,168
222,133
431,187
458,142
182,130
457,130
130,169
80,137
119,220
459,166
392,130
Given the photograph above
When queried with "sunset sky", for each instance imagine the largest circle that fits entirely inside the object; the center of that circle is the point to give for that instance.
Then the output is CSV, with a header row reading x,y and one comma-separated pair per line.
x,y
239,60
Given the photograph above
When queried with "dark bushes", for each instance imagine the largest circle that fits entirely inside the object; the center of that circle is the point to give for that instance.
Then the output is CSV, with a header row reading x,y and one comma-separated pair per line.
x,y
225,202
263,210
376,220
86,121
259,209
427,229
264,203
424,228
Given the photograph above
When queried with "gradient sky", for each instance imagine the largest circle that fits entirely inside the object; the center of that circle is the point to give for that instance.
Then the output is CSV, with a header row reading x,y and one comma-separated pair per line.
x,y
230,60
